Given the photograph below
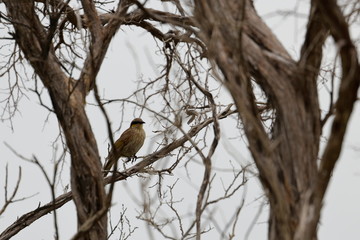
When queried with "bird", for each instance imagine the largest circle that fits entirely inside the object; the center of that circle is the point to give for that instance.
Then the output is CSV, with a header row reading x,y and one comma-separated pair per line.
x,y
128,144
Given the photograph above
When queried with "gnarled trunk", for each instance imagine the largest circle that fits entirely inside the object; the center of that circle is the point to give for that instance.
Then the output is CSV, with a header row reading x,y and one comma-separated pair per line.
x,y
245,50
68,102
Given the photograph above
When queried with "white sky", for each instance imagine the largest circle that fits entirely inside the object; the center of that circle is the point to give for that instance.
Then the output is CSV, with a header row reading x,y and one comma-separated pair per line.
x,y
130,56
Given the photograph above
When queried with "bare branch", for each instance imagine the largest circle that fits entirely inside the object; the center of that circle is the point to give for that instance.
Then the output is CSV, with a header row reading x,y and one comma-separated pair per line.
x,y
32,216
10,199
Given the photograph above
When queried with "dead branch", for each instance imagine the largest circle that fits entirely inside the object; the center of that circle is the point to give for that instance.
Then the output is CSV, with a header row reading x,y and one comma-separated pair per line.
x,y
10,199
28,218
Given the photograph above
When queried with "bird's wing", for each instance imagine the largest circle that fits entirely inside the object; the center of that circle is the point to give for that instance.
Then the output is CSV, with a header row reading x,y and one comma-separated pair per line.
x,y
123,139
119,145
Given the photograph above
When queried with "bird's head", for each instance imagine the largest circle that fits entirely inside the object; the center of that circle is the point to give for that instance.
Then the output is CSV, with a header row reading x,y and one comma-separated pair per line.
x,y
137,123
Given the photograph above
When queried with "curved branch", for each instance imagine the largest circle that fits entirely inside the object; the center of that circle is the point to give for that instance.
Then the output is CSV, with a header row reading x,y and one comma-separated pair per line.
x,y
334,19
68,102
28,218
348,89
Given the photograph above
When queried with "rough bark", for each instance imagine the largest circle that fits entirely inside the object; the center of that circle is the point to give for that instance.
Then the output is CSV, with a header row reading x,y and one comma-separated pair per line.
x,y
239,44
245,49
68,102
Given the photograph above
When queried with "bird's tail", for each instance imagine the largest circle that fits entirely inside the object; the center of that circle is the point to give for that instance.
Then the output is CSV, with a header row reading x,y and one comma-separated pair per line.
x,y
109,162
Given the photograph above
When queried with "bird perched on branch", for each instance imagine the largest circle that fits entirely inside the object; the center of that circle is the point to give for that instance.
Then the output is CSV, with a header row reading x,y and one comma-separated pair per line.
x,y
129,143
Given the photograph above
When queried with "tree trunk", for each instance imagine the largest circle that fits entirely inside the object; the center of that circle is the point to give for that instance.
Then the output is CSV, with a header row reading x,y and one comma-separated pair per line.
x,y
245,50
68,99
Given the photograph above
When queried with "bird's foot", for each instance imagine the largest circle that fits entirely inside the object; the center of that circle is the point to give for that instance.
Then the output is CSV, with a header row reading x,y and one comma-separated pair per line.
x,y
134,159
131,159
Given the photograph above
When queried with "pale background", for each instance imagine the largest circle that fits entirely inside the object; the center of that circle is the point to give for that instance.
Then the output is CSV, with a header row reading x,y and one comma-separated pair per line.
x,y
130,57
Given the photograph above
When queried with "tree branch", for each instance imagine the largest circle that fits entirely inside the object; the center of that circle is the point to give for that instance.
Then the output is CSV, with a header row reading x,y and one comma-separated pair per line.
x,y
348,89
28,218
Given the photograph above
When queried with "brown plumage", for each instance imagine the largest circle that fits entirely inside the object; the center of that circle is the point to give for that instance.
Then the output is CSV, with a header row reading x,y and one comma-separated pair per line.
x,y
129,143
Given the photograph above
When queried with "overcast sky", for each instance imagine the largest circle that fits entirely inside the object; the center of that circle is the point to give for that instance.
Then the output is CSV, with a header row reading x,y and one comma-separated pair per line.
x,y
130,57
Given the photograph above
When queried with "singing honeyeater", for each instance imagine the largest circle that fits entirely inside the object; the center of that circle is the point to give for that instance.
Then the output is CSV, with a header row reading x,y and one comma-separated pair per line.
x,y
129,143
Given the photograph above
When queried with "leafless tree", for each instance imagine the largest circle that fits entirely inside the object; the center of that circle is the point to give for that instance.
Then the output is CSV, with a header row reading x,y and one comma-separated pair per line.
x,y
205,44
